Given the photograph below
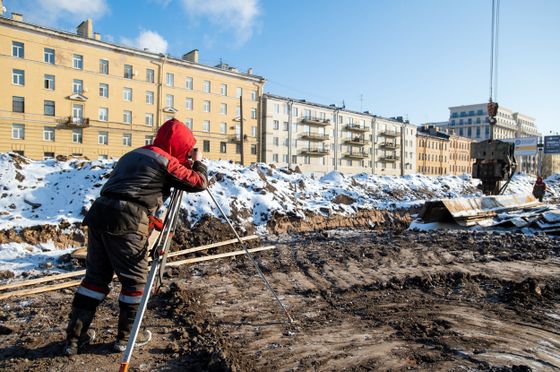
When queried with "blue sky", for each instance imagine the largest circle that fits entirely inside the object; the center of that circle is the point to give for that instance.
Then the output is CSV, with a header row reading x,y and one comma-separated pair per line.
x,y
393,57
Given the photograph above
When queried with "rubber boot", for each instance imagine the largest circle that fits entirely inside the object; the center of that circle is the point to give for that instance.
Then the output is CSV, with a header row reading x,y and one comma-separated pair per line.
x,y
78,333
126,320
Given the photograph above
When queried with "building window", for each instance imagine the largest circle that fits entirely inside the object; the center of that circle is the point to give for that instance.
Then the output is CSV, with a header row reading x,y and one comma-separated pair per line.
x,y
223,127
253,113
149,75
48,56
48,134
18,77
253,149
169,79
238,92
206,126
149,119
18,131
169,100
189,103
148,140
275,141
295,112
206,146
275,158
223,147
275,125
276,107
77,113
127,117
127,139
104,67
77,86
17,49
104,90
49,82
206,106
48,155
238,112
77,135
285,158
78,61
253,131
206,86
128,72
189,83
103,138
254,95
18,104
307,113
189,123
48,108
223,108
127,94
238,148
103,114
150,98
223,89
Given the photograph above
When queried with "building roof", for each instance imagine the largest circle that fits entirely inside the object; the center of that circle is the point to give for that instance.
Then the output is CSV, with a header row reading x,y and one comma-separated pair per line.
x,y
123,48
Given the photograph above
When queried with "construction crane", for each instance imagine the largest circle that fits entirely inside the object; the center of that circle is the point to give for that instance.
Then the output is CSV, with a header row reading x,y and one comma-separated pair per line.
x,y
494,159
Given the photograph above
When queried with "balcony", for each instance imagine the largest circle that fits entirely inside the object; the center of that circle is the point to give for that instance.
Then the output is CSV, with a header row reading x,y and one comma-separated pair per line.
x,y
316,121
355,155
314,137
314,151
72,122
356,128
389,145
389,133
357,141
389,158
236,138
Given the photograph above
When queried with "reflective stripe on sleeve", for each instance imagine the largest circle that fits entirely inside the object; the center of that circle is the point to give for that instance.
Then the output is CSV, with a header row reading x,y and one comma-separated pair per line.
x,y
130,299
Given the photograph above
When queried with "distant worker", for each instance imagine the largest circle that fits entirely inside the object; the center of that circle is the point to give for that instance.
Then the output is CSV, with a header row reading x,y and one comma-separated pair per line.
x,y
119,222
539,189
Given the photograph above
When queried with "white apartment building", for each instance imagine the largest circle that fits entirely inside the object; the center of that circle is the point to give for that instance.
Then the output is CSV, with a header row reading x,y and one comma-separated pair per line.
x,y
472,121
320,138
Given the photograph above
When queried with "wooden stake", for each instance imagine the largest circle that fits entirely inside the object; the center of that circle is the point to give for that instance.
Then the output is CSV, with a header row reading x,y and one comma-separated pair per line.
x,y
30,291
215,256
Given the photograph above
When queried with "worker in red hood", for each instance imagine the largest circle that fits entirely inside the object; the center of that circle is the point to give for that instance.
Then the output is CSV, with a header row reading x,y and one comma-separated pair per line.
x,y
539,189
118,226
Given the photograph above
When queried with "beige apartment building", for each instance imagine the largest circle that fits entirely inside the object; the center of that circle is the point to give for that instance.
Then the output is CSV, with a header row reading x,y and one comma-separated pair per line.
x,y
432,151
460,161
75,94
319,138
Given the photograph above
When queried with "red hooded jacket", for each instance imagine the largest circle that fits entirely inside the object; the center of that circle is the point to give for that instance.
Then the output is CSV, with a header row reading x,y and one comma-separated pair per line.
x,y
142,179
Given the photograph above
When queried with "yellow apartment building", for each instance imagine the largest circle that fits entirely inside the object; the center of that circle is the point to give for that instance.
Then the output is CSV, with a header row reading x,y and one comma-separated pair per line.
x,y
74,94
460,155
432,152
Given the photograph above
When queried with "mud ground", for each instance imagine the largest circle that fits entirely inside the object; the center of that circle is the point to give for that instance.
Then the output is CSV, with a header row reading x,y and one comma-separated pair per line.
x,y
362,300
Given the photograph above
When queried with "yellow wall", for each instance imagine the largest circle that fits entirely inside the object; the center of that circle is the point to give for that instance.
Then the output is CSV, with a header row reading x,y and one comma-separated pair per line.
x,y
460,155
432,155
65,45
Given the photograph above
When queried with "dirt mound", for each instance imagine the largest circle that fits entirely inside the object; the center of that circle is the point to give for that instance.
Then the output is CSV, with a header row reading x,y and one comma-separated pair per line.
x,y
62,235
197,343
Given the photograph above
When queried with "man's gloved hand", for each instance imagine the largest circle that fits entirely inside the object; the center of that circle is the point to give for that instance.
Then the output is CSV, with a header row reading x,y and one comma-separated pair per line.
x,y
154,223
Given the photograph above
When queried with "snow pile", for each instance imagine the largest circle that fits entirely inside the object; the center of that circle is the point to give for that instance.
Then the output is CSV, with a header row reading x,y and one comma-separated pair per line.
x,y
48,192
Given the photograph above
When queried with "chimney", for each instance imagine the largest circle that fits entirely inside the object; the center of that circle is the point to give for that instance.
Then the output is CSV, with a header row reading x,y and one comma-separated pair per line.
x,y
250,71
191,56
97,36
85,29
17,17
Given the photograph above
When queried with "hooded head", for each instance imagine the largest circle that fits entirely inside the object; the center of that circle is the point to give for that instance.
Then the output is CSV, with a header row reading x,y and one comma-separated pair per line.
x,y
176,139
539,179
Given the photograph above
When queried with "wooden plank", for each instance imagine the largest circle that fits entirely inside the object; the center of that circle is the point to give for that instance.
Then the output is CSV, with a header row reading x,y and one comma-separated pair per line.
x,y
209,246
51,278
216,256
30,291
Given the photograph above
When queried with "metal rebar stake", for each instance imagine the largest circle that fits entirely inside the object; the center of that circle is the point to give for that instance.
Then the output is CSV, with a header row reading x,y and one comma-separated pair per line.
x,y
266,283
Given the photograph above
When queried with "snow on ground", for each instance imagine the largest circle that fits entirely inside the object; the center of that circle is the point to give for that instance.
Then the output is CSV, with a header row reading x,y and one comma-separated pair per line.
x,y
48,192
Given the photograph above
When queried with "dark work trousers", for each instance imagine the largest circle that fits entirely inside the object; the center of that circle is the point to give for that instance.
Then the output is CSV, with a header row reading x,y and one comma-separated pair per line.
x,y
109,253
